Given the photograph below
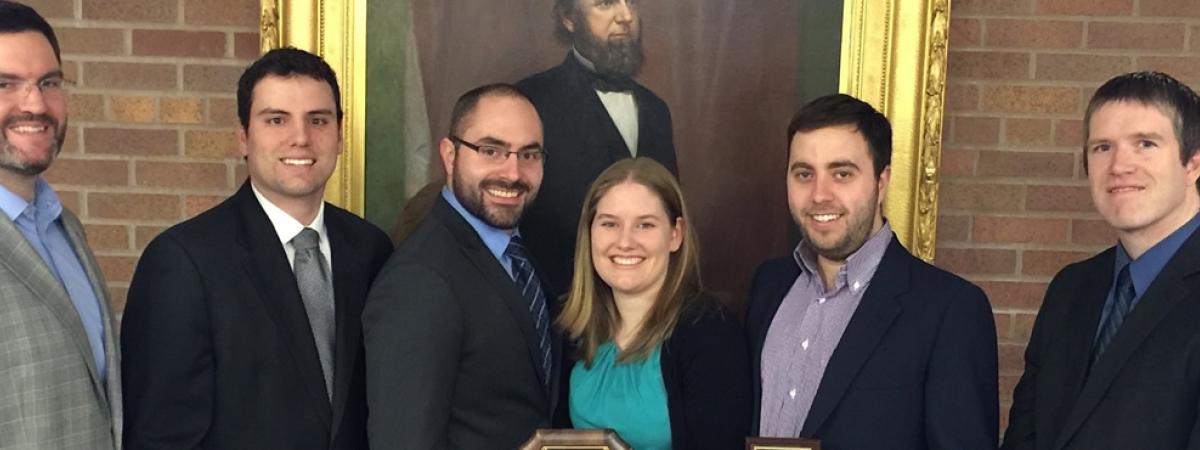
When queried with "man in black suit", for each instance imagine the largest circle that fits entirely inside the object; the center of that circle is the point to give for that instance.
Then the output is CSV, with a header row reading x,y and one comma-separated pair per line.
x,y
461,352
242,324
853,340
594,114
1113,358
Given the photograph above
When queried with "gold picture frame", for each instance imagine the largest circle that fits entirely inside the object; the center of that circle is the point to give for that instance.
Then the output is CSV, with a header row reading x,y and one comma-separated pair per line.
x,y
760,443
893,56
568,439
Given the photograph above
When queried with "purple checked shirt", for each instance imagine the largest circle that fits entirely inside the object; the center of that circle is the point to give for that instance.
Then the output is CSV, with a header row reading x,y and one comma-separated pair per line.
x,y
806,330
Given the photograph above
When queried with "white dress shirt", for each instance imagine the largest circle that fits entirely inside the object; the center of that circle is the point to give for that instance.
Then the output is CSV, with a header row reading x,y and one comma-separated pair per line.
x,y
287,227
622,109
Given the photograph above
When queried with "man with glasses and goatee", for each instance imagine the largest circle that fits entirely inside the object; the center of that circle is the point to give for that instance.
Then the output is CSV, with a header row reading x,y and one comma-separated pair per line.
x,y
461,353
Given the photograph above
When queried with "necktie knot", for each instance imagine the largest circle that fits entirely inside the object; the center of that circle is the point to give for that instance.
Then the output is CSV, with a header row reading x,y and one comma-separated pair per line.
x,y
516,248
307,239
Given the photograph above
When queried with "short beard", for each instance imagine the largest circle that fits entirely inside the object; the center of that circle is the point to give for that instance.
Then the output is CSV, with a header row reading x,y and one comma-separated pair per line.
x,y
612,60
472,200
11,163
857,233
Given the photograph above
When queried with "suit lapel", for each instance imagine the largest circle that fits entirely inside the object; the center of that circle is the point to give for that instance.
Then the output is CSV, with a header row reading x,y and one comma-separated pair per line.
x,y
487,265
112,351
23,261
271,275
875,314
607,130
1164,294
350,291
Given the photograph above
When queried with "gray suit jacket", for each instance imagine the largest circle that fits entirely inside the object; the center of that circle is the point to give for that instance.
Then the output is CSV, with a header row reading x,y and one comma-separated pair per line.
x,y
51,396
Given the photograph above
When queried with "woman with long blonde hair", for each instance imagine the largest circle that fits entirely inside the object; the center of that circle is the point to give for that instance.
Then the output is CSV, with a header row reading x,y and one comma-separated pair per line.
x,y
659,361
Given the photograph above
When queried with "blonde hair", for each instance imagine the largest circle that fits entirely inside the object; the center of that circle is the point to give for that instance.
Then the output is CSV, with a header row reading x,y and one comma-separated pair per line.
x,y
590,316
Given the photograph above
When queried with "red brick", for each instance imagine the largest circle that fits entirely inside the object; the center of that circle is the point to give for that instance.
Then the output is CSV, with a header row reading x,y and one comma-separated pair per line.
x,y
131,142
86,107
210,144
223,112
187,110
196,204
1026,164
1093,232
246,46
1033,33
133,109
1031,99
116,297
958,162
139,76
221,12
1080,67
964,261
1058,199
117,268
1012,358
1019,230
131,10
1003,325
209,78
1007,384
107,237
1135,36
988,64
993,7
965,33
91,41
70,144
952,228
53,9
70,200
1027,132
1086,7
196,44
133,206
1184,68
962,97
1170,8
963,197
1068,133
1014,295
976,130
1195,43
181,175
1023,327
1047,263
88,172
144,234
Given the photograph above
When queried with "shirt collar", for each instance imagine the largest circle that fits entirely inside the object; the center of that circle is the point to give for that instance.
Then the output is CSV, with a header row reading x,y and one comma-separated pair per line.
x,y
860,265
49,206
286,226
1146,268
587,63
494,238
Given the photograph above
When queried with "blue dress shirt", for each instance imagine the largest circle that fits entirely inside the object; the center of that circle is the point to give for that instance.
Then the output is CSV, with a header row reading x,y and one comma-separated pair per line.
x,y
494,238
42,226
1146,268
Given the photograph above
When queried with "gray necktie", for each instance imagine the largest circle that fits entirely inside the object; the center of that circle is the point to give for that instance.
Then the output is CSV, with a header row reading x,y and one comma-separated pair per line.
x,y
312,276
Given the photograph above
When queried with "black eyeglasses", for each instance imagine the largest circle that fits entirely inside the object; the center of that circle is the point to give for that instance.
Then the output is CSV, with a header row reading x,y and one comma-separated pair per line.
x,y
497,155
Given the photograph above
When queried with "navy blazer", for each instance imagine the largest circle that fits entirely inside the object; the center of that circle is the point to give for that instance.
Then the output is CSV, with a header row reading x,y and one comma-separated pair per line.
x,y
915,369
582,141
1145,390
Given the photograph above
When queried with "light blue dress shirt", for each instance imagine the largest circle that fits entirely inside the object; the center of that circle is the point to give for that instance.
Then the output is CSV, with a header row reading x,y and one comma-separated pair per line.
x,y
42,226
495,239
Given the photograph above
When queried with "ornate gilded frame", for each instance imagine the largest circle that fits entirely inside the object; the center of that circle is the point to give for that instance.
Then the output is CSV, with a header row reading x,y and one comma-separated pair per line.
x,y
893,56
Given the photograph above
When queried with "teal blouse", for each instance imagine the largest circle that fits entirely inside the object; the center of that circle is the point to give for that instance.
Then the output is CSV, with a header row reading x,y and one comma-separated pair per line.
x,y
628,397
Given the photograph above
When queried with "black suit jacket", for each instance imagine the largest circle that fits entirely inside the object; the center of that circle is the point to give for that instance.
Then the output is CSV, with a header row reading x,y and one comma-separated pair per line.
x,y
451,348
582,141
915,368
217,348
1144,392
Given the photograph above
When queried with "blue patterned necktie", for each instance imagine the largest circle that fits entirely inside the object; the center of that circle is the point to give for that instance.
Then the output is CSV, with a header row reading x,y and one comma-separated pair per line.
x,y
531,288
1122,303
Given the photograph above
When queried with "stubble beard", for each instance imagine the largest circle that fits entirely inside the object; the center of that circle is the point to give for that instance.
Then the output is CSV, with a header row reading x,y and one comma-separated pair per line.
x,y
858,230
471,198
9,154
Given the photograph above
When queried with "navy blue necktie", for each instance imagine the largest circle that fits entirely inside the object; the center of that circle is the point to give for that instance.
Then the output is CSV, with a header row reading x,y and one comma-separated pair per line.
x,y
1122,303
531,288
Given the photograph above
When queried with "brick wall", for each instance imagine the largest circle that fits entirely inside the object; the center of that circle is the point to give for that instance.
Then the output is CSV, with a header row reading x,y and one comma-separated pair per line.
x,y
1014,202
152,115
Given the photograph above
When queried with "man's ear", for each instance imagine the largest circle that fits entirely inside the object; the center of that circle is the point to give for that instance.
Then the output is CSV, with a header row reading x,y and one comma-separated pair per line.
x,y
446,150
1192,167
568,22
243,148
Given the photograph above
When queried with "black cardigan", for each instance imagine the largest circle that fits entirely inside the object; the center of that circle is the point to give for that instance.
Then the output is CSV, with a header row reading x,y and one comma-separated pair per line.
x,y
706,373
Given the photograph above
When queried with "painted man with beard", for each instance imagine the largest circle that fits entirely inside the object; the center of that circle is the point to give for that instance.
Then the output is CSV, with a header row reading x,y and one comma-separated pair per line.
x,y
460,353
60,382
594,114
853,340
